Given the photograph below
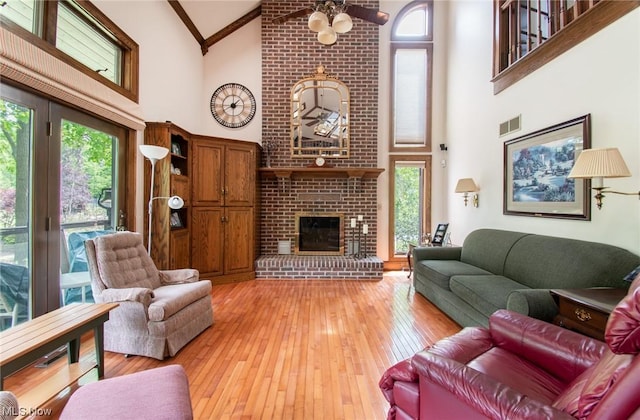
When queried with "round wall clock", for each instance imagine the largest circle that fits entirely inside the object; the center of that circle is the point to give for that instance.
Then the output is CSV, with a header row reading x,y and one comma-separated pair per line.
x,y
233,105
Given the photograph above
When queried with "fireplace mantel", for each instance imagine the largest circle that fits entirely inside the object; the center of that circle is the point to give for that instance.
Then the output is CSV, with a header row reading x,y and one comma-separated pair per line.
x,y
353,175
292,172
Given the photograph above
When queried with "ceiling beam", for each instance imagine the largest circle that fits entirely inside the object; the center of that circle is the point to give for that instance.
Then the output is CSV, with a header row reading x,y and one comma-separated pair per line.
x,y
187,22
229,29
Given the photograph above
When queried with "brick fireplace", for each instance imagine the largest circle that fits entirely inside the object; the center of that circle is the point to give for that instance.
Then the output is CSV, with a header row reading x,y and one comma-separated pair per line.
x,y
291,52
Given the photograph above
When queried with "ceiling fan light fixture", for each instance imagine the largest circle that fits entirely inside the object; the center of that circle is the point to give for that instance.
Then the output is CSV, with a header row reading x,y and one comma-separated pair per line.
x,y
318,21
342,23
327,36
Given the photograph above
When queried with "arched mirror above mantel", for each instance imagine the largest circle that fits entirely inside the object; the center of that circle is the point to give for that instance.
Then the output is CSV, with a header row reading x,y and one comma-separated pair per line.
x,y
320,117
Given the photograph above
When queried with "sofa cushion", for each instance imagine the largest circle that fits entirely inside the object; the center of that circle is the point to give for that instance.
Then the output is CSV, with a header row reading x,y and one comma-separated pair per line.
x,y
123,261
440,271
546,262
488,248
486,293
170,299
519,374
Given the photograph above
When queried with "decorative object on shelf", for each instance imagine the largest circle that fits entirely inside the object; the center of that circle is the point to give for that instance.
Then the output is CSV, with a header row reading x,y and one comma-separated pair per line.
x,y
175,221
269,146
536,169
596,164
154,154
365,232
466,186
233,105
122,222
358,226
332,17
439,235
176,149
320,162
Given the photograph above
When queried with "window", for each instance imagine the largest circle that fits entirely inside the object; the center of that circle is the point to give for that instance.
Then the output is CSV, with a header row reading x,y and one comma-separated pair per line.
x,y
525,28
81,35
411,52
410,163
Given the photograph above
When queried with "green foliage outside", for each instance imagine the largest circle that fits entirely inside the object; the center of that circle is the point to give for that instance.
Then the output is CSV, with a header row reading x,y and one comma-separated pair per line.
x,y
85,168
406,208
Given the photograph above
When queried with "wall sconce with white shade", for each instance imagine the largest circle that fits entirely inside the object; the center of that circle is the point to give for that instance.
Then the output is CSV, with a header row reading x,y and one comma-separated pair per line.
x,y
597,164
154,154
466,186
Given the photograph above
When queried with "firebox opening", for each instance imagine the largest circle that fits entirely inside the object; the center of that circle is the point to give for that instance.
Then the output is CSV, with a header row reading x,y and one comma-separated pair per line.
x,y
319,234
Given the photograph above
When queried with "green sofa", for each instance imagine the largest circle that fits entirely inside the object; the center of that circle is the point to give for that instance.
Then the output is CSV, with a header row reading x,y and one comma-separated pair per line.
x,y
498,269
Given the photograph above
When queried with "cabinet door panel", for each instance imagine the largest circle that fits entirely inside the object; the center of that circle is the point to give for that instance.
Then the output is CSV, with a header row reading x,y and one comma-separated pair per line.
x,y
239,175
238,257
179,249
207,174
206,240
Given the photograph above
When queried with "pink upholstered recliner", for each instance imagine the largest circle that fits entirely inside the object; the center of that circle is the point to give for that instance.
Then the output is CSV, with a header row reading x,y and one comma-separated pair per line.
x,y
524,368
159,312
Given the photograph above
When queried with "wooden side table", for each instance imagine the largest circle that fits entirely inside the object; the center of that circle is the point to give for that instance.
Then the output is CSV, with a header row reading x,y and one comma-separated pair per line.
x,y
586,310
410,256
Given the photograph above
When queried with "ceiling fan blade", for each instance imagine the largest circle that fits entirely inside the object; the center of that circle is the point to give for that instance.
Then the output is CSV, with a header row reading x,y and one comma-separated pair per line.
x,y
370,15
292,15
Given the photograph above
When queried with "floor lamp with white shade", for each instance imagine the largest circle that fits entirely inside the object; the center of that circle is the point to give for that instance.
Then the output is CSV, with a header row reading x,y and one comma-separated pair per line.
x,y
154,154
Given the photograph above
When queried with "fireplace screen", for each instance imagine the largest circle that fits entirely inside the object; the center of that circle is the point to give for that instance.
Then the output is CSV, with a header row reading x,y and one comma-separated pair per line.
x,y
319,234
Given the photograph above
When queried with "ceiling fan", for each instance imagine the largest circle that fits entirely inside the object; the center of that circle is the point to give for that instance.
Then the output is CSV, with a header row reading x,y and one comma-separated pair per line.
x,y
334,7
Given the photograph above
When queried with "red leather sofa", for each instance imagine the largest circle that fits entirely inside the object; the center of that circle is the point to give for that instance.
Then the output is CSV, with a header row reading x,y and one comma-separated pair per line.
x,y
524,368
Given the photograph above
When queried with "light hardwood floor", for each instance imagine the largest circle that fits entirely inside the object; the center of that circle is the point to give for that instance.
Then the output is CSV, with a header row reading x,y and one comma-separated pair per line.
x,y
296,349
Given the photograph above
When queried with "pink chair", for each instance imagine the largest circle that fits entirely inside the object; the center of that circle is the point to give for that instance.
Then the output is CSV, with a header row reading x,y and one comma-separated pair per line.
x,y
154,394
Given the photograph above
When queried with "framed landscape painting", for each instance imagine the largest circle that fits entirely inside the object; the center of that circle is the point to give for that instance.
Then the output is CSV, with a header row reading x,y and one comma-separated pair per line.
x,y
536,167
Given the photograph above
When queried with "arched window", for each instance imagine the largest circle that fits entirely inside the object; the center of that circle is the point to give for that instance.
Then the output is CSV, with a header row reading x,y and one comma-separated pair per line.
x,y
414,22
411,58
409,162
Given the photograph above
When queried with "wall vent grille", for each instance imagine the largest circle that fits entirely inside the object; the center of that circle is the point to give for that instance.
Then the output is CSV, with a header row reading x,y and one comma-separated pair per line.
x,y
510,126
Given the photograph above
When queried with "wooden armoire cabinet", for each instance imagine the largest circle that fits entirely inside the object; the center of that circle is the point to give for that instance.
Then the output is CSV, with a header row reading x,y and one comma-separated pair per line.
x,y
224,234
218,227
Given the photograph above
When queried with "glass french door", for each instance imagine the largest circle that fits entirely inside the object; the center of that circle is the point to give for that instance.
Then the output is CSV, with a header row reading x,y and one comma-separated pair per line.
x,y
87,193
23,118
59,174
411,201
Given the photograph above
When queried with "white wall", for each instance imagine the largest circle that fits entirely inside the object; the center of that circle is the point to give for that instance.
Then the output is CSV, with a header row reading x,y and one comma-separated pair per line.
x,y
600,77
238,59
171,66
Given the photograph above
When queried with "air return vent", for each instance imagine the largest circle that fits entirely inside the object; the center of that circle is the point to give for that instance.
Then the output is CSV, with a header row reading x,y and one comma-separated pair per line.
x,y
510,126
